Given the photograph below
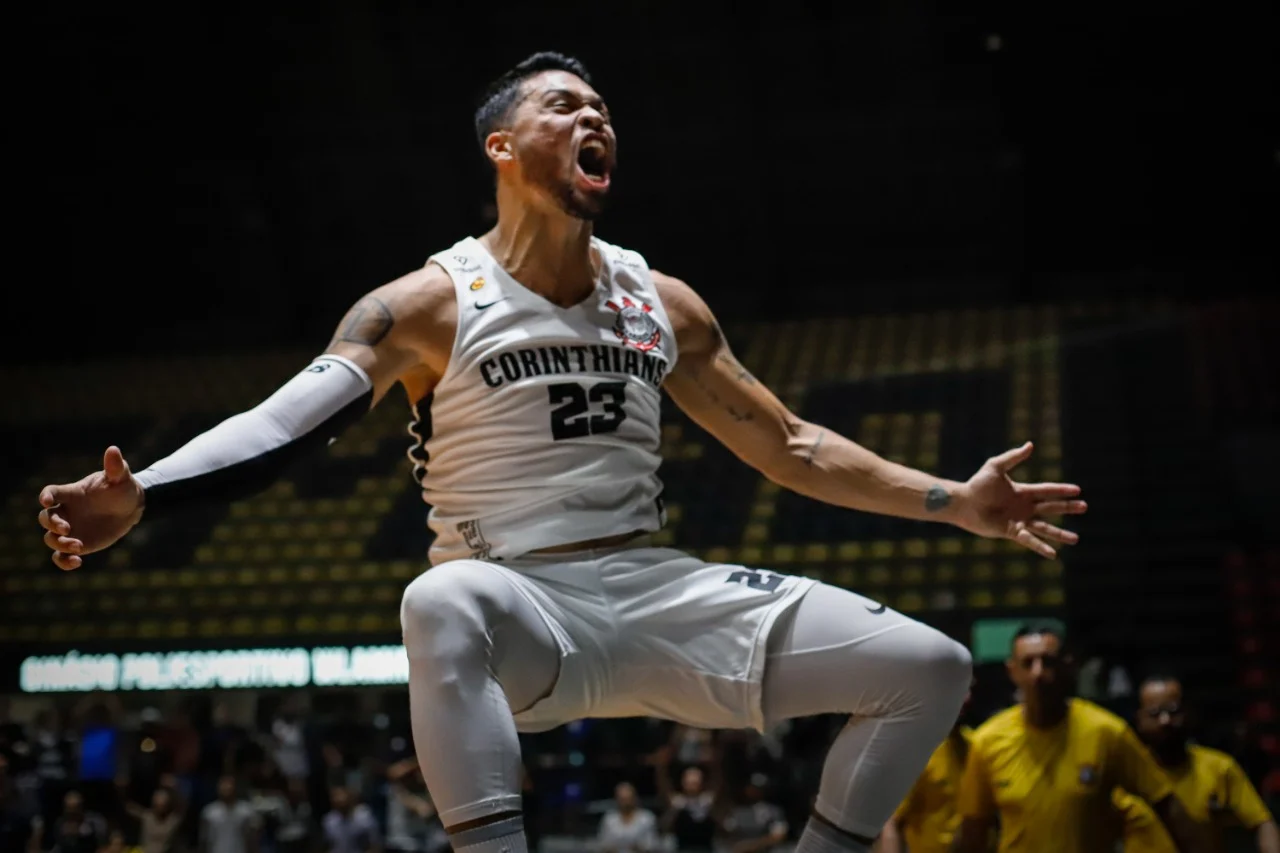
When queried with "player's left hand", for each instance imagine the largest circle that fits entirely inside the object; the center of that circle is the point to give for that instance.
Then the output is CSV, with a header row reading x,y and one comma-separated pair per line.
x,y
991,504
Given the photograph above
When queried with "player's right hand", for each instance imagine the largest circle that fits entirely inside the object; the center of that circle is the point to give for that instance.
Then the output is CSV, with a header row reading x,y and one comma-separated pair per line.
x,y
90,514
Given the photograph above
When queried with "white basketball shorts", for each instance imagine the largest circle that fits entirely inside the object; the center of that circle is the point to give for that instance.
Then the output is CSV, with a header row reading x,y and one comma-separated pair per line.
x,y
647,631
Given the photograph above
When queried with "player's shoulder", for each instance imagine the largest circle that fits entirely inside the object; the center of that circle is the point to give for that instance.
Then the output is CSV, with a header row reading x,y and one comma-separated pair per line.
x,y
614,253
997,729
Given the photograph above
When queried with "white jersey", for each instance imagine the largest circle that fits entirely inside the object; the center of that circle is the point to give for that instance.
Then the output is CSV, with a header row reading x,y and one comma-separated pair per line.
x,y
544,429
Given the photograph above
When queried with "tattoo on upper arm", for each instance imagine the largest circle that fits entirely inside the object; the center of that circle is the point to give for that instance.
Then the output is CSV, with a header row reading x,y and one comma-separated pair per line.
x,y
367,323
813,451
725,356
936,498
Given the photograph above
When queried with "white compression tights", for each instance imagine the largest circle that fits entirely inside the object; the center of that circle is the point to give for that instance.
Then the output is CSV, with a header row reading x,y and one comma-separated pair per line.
x,y
478,650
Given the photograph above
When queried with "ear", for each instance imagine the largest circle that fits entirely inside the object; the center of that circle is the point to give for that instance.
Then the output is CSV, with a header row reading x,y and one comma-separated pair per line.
x,y
497,147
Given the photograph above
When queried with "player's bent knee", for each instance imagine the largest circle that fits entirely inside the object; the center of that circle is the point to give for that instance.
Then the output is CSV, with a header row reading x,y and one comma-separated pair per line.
x,y
443,611
952,666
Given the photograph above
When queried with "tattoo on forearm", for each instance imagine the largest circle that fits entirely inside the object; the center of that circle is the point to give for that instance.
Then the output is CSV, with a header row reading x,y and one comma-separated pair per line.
x,y
936,498
813,450
367,323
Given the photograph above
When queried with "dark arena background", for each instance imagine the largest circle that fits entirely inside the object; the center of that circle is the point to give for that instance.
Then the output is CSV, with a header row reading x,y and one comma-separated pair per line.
x,y
940,229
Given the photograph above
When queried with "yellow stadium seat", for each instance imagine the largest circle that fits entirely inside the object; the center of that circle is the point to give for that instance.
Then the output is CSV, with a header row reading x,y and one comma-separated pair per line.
x,y
846,577
910,602
848,552
912,574
210,627
782,555
816,552
1016,570
980,598
405,569
337,623
1017,596
1049,568
981,546
719,555
273,625
339,573
756,532
1051,596
879,575
916,549
981,572
951,546
750,555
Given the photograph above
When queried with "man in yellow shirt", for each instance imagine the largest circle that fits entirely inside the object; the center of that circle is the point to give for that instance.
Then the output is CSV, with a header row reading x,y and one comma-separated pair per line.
x,y
927,821
1047,767
1210,785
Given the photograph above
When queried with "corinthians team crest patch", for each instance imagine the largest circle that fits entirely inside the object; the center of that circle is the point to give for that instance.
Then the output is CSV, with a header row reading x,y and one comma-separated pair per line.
x,y
634,325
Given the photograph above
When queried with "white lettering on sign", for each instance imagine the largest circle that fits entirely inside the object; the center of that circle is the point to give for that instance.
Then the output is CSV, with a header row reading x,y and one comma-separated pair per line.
x,y
206,670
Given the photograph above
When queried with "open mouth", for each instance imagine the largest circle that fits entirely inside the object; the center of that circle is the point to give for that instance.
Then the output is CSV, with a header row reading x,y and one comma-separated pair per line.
x,y
593,162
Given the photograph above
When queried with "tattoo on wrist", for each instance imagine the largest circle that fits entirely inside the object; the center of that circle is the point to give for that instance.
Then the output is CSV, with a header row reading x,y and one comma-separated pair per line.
x,y
813,450
367,323
936,498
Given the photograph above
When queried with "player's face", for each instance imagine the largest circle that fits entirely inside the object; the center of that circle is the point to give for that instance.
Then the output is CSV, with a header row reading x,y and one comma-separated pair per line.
x,y
1161,718
563,144
1038,667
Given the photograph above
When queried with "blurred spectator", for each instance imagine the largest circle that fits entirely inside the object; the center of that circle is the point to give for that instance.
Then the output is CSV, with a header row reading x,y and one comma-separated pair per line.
x,y
228,824
755,825
52,754
350,827
77,830
627,828
158,825
1210,785
148,759
692,746
19,825
289,740
412,823
688,814
116,843
290,825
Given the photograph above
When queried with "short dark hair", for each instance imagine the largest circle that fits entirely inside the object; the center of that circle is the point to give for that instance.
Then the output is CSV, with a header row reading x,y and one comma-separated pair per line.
x,y
503,94
1041,626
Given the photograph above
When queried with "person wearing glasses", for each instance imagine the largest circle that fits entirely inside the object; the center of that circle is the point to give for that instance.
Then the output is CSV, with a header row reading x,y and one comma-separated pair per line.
x,y
1210,785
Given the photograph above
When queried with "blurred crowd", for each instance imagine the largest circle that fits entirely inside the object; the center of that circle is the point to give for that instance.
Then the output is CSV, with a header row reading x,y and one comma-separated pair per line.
x,y
306,773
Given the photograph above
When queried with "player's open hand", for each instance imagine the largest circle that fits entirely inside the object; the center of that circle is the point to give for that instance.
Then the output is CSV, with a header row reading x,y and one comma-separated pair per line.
x,y
90,514
993,505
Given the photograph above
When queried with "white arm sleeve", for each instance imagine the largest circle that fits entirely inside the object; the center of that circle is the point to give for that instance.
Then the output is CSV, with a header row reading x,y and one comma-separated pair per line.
x,y
247,452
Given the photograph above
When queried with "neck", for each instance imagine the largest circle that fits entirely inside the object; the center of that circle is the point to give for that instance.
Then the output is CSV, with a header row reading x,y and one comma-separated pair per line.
x,y
1170,755
549,253
1044,714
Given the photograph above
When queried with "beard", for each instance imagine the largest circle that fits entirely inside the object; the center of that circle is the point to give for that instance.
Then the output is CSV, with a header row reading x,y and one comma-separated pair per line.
x,y
580,205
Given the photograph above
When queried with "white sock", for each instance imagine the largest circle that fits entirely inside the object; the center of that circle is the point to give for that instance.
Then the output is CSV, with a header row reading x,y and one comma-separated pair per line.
x,y
818,837
501,836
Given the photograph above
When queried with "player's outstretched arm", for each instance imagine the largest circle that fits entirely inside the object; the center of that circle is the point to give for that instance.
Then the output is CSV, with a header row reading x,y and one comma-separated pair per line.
x,y
400,332
714,389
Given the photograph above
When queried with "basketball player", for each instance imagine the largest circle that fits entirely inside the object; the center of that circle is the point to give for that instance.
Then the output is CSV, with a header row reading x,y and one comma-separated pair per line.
x,y
1210,785
536,356
1047,766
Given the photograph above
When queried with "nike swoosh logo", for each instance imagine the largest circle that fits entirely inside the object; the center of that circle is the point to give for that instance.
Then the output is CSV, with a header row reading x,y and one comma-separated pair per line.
x,y
480,307
876,610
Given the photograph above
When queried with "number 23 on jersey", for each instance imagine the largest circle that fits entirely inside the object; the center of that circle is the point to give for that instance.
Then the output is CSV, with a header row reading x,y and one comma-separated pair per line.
x,y
578,410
